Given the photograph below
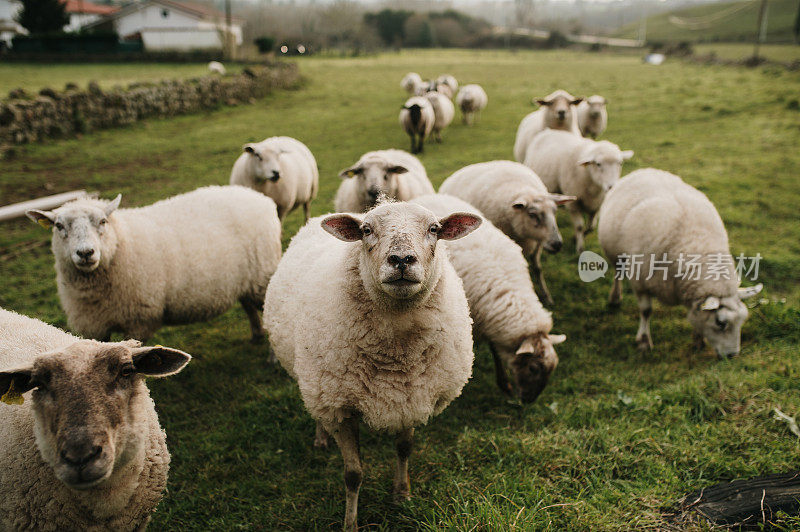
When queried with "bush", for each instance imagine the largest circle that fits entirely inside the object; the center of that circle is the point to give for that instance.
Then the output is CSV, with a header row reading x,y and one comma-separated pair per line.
x,y
556,40
265,44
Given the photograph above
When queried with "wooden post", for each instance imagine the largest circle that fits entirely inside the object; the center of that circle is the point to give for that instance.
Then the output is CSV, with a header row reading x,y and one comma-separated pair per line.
x,y
229,39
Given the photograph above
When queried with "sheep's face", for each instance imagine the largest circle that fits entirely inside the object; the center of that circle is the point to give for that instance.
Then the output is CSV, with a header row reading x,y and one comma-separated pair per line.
x,y
534,217
376,178
719,320
82,234
532,365
90,405
560,109
596,106
399,240
604,164
265,164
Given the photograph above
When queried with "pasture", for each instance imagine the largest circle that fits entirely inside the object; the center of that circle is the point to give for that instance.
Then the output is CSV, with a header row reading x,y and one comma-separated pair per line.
x,y
615,438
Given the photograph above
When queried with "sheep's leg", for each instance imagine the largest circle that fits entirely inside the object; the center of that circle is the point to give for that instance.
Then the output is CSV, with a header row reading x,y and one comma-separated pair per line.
x,y
615,296
346,436
251,308
589,224
306,207
577,224
413,144
421,144
698,342
500,372
321,439
538,275
402,482
643,339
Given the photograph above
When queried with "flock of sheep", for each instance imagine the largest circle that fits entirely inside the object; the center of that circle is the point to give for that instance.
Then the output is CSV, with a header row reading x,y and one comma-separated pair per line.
x,y
369,310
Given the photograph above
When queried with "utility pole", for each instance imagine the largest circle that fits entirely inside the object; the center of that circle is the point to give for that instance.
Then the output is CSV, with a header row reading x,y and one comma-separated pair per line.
x,y
228,31
761,30
643,25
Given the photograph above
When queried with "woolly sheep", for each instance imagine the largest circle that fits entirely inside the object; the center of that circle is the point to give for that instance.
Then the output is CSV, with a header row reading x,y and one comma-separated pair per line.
x,y
411,83
395,174
448,81
592,116
282,168
417,119
514,199
443,110
580,167
471,99
673,231
504,308
373,326
215,67
184,259
556,111
80,443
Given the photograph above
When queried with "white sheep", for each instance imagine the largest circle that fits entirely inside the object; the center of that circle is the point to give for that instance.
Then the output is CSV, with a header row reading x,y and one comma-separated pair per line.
x,y
515,200
215,67
504,308
417,119
395,174
443,110
282,168
374,327
577,166
80,443
667,238
557,111
184,259
471,99
411,83
592,116
448,81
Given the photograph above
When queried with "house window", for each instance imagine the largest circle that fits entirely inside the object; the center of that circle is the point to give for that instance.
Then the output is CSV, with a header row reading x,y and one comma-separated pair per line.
x,y
164,13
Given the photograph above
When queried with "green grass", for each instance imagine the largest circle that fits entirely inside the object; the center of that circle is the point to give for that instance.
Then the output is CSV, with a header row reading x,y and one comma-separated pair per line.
x,y
740,25
577,459
784,53
33,77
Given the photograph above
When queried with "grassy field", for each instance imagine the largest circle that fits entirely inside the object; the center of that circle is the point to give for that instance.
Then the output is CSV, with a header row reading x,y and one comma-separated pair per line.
x,y
616,437
785,53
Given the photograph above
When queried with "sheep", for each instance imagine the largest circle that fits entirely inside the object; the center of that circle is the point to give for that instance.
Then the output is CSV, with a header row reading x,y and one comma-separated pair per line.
x,y
417,119
411,83
471,99
215,67
443,110
282,168
373,326
592,116
577,166
448,81
395,174
515,200
667,238
503,305
184,259
556,111
80,443
445,90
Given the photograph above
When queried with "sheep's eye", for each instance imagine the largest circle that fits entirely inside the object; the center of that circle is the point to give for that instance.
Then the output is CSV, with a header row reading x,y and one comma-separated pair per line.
x,y
534,215
434,229
598,165
59,226
386,177
366,230
103,221
127,370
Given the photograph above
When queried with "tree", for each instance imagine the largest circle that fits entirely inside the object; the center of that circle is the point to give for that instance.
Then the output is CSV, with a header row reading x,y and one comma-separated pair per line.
x,y
390,25
43,16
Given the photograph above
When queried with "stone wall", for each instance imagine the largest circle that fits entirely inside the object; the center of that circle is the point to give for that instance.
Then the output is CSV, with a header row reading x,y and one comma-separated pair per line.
x,y
54,114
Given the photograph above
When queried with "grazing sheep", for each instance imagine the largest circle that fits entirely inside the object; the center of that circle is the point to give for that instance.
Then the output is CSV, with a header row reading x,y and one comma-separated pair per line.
x,y
580,167
515,200
444,90
471,99
556,111
411,83
215,67
448,81
80,443
417,119
184,259
671,233
443,110
395,174
374,327
592,116
282,168
504,308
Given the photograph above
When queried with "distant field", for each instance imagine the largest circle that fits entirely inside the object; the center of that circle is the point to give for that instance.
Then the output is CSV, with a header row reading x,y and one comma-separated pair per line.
x,y
615,438
785,53
34,76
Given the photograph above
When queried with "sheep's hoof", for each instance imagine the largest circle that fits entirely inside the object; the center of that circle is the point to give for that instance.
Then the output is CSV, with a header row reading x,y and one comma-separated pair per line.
x,y
401,495
644,343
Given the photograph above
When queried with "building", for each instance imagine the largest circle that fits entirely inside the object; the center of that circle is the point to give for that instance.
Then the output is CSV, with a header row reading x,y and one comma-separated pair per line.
x,y
9,27
82,13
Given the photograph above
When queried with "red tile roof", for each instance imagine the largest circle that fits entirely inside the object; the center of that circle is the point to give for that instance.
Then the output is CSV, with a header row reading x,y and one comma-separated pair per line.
x,y
85,7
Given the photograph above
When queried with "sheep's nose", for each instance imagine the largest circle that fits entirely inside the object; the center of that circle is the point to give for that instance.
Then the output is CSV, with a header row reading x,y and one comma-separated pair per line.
x,y
80,455
562,114
401,263
85,253
275,175
555,246
373,193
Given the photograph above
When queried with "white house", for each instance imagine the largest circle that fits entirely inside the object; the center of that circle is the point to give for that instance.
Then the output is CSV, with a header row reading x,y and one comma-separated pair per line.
x,y
173,25
8,26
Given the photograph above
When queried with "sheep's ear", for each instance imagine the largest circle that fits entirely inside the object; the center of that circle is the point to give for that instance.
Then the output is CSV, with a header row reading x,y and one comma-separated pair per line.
x,y
158,361
627,154
556,339
711,303
543,102
576,101
750,291
343,226
13,383
44,218
458,224
250,148
349,172
561,199
586,161
113,205
519,203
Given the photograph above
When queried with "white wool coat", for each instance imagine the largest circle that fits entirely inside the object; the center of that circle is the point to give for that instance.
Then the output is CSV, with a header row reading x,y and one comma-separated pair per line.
x,y
538,121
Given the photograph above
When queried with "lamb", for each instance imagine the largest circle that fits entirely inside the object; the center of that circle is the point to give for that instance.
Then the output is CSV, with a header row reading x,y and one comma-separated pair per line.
x,y
580,167
215,67
556,111
443,110
592,116
448,81
282,168
667,238
411,83
80,443
373,327
395,174
417,119
503,305
514,199
184,259
471,99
